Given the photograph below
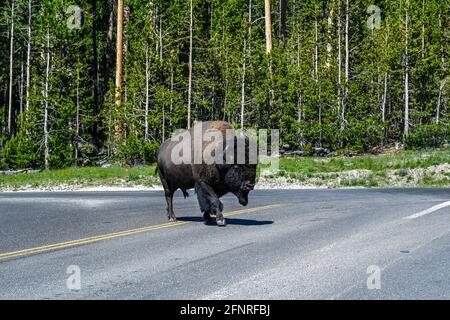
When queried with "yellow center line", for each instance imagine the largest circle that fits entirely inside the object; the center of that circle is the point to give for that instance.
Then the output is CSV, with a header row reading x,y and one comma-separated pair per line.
x,y
113,235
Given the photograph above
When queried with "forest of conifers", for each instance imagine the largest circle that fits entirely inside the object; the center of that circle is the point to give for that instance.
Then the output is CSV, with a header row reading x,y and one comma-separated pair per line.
x,y
340,74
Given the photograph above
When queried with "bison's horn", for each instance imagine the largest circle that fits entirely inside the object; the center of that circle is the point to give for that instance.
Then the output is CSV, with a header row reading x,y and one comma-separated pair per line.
x,y
248,185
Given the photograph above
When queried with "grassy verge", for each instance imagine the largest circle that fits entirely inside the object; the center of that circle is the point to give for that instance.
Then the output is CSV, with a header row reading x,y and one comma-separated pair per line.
x,y
73,178
397,169
402,169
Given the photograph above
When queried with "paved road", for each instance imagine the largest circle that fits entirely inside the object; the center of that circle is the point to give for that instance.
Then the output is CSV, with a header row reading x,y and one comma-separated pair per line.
x,y
287,244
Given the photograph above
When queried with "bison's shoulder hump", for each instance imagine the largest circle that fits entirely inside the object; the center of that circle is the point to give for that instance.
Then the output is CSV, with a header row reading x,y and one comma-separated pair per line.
x,y
220,125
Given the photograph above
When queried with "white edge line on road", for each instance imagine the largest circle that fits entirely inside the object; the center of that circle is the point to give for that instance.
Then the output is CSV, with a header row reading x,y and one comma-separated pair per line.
x,y
429,210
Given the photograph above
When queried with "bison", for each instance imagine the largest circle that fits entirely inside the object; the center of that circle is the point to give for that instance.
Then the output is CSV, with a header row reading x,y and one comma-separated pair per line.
x,y
212,177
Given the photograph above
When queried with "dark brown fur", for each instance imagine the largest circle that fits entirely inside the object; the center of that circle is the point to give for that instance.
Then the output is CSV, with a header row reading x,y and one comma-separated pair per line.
x,y
211,181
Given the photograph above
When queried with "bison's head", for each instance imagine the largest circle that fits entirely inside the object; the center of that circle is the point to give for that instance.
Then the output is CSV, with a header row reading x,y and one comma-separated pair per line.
x,y
239,176
240,180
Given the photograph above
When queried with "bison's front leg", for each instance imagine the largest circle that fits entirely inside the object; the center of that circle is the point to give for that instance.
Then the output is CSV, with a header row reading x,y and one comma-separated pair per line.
x,y
209,202
204,204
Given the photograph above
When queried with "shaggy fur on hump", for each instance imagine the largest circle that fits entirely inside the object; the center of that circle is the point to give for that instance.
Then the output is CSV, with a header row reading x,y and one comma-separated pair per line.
x,y
204,172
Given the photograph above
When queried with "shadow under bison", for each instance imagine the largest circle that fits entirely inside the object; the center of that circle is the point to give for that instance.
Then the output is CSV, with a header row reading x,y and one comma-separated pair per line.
x,y
232,221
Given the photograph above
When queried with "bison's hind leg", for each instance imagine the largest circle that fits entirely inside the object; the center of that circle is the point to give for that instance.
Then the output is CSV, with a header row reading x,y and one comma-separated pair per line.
x,y
168,192
170,214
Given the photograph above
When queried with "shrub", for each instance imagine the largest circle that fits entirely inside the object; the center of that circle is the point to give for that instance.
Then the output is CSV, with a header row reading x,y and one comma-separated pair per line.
x,y
429,135
19,152
363,135
129,152
149,151
135,151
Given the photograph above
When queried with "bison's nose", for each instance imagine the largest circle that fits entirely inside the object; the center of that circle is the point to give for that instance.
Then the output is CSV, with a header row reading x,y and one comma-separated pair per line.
x,y
243,201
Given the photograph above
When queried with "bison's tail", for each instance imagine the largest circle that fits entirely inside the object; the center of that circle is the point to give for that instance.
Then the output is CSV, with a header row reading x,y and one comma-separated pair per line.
x,y
156,170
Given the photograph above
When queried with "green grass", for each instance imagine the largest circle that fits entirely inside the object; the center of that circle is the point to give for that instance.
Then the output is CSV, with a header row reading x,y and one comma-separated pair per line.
x,y
370,170
402,160
88,176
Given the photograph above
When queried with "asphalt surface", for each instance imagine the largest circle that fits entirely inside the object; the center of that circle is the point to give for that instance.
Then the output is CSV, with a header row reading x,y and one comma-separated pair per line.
x,y
286,244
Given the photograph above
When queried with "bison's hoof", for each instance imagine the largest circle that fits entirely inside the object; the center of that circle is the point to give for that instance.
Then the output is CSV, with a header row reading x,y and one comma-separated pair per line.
x,y
221,222
172,219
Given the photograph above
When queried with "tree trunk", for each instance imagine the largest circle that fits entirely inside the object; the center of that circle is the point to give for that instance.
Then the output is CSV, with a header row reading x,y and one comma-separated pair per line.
x,y
438,107
210,14
383,106
406,127
95,70
108,49
329,38
119,51
250,8
190,66
268,27
299,107
171,93
225,98
146,95
283,5
127,126
163,123
423,29
443,81
316,51
21,90
245,51
11,63
27,86
78,114
316,74
46,132
299,93
347,60
339,25
160,40
243,86
271,91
